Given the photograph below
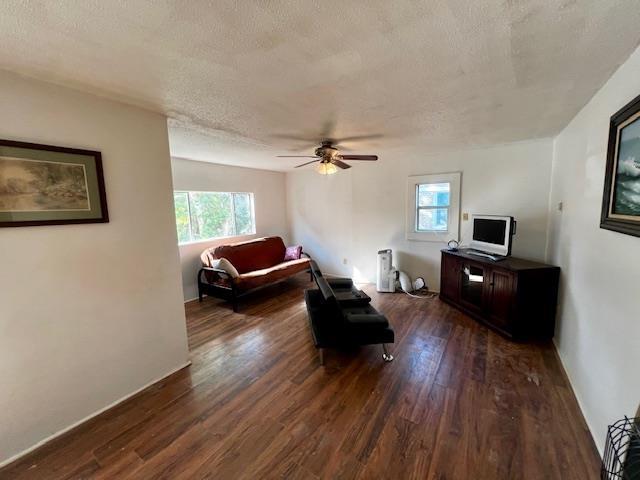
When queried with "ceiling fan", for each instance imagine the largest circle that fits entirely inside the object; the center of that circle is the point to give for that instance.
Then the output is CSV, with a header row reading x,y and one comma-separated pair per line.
x,y
329,157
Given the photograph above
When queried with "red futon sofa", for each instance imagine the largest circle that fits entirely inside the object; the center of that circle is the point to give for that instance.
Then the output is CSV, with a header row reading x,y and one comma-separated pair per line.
x,y
234,270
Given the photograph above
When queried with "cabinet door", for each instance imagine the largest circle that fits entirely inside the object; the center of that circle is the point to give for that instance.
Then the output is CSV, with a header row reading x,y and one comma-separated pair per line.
x,y
473,277
450,269
500,299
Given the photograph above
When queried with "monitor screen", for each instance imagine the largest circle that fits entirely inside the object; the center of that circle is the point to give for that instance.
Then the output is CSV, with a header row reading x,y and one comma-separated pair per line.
x,y
489,230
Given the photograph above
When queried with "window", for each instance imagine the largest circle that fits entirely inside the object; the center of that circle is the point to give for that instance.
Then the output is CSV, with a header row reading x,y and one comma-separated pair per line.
x,y
207,215
433,207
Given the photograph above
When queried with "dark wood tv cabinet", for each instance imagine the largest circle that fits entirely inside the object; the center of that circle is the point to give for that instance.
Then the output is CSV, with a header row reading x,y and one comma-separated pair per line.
x,y
514,296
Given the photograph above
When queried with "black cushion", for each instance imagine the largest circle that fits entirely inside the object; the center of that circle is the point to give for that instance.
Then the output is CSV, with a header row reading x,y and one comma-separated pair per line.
x,y
351,298
366,319
325,288
339,283
343,289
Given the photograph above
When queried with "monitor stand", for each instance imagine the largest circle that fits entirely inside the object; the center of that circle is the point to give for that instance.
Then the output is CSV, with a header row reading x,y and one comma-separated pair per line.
x,y
490,256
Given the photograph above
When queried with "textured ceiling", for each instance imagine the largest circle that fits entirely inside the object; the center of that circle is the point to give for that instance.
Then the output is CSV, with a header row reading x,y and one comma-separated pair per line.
x,y
233,75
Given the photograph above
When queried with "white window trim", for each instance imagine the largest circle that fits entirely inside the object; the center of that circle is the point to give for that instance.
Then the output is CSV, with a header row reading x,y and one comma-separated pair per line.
x,y
453,232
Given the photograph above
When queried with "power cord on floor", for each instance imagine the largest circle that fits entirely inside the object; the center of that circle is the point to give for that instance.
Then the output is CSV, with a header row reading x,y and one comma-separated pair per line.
x,y
419,286
429,295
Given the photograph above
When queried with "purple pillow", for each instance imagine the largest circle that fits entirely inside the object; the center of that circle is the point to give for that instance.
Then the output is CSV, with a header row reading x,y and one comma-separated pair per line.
x,y
293,253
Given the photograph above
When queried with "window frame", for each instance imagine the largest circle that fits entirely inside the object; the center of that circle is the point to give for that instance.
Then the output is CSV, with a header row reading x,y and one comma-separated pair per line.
x,y
233,215
453,209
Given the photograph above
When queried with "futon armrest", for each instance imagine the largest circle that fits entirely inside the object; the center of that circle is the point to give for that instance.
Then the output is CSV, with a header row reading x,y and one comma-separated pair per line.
x,y
218,271
366,320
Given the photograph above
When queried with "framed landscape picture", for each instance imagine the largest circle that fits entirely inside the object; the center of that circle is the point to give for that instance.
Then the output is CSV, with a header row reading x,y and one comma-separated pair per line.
x,y
621,197
47,185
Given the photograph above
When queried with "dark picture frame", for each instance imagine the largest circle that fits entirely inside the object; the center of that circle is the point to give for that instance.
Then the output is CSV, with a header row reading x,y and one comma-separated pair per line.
x,y
616,215
50,185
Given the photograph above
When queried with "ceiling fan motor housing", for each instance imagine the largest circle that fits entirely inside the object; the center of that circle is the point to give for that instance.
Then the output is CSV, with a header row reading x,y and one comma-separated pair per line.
x,y
326,152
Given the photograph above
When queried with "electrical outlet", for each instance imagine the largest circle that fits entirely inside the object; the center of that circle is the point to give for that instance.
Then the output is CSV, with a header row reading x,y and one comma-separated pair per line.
x,y
344,261
465,216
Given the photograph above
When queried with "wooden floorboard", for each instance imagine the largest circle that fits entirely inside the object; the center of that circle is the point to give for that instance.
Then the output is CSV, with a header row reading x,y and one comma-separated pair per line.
x,y
458,402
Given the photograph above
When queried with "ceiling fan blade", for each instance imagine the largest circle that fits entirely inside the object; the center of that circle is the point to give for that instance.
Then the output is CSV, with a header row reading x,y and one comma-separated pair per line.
x,y
359,137
300,138
312,161
340,164
328,128
296,156
359,157
343,148
303,147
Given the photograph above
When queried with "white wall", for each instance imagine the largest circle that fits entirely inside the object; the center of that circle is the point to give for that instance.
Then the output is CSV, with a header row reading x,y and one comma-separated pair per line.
x,y
598,333
88,313
269,198
354,213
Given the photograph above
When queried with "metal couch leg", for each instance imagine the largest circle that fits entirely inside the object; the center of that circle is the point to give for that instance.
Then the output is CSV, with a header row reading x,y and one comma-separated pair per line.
x,y
234,301
386,356
321,355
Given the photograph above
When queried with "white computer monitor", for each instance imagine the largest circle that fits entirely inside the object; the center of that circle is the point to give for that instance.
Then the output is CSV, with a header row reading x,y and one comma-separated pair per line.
x,y
493,234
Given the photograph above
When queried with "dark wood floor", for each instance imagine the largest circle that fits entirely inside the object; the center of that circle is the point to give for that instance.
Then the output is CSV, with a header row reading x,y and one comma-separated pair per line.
x,y
458,402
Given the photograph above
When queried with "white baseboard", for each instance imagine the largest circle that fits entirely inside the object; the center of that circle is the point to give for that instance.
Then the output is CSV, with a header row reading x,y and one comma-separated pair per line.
x,y
576,395
88,417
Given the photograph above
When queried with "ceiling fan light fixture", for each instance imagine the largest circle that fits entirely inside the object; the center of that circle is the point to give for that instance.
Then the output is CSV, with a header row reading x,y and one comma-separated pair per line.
x,y
330,159
326,168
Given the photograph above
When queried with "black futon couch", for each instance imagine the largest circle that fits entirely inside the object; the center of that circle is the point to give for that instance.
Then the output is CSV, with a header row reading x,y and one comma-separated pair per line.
x,y
340,316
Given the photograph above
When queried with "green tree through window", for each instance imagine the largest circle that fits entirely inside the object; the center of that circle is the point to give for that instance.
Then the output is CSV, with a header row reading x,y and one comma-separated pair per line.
x,y
181,202
207,215
243,207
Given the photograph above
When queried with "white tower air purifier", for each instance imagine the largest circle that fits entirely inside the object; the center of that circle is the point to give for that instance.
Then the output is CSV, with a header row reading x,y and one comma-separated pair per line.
x,y
386,279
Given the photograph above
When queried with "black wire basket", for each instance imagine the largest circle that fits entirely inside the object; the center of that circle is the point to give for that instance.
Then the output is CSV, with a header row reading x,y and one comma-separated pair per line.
x,y
621,459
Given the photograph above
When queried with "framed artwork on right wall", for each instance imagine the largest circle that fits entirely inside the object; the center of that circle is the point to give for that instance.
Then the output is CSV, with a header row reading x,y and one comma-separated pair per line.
x,y
621,197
